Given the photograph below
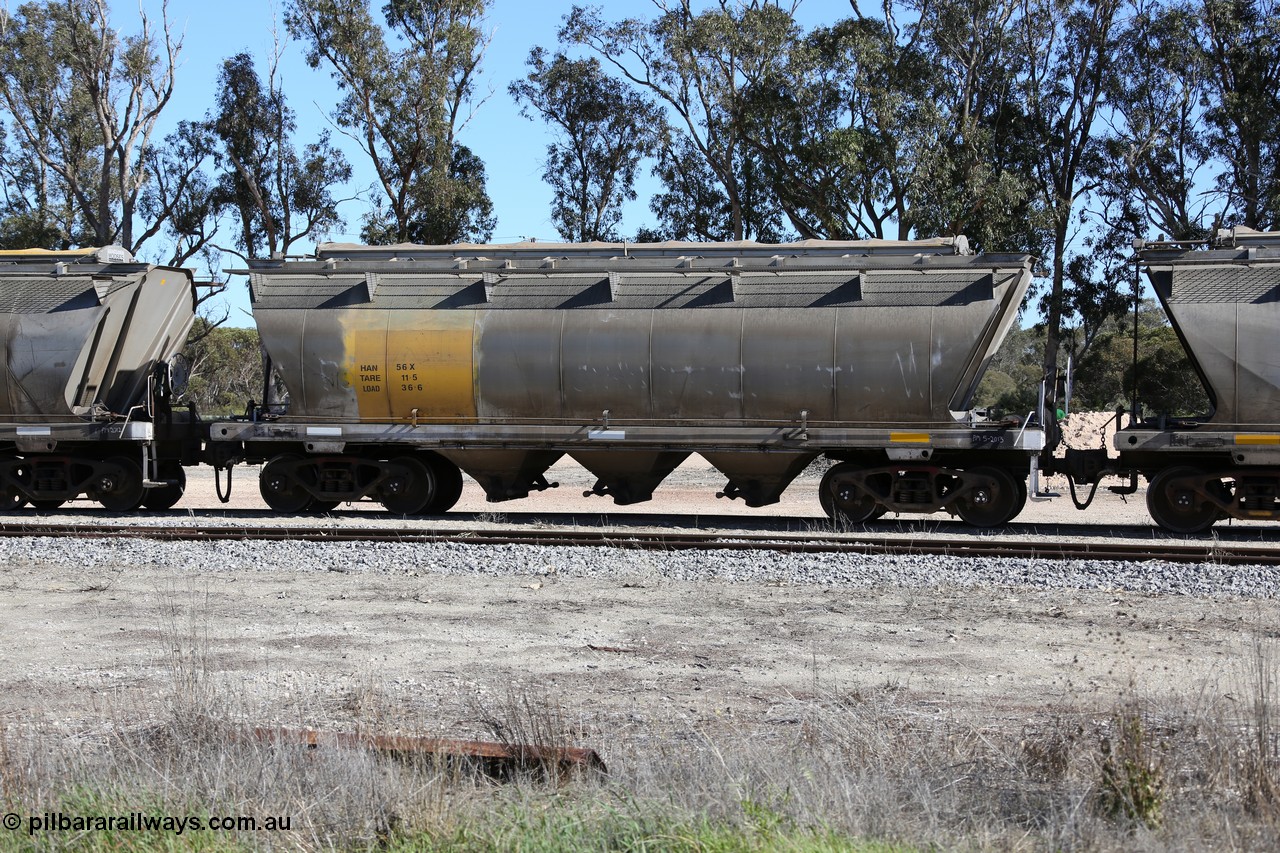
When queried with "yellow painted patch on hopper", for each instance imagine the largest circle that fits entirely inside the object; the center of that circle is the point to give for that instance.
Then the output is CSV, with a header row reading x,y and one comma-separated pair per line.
x,y
365,370
430,365
909,437
398,361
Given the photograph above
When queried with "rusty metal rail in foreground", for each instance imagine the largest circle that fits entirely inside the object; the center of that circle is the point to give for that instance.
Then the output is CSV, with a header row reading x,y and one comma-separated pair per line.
x,y
498,760
1217,552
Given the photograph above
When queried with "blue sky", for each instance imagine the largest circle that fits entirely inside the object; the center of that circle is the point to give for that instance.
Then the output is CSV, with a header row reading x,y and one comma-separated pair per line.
x,y
511,146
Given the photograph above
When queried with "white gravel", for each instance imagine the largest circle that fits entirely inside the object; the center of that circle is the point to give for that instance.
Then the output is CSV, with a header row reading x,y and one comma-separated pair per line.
x,y
724,566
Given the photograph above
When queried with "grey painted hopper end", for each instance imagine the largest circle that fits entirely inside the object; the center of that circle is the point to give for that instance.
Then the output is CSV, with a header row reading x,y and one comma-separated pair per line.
x,y
1224,303
82,330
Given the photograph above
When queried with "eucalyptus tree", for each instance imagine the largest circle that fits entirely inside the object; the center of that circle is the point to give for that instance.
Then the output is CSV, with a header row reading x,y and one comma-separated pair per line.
x,y
279,194
221,368
1241,45
1069,47
463,213
700,67
82,102
693,204
976,174
837,126
1150,175
1165,379
180,202
35,212
903,122
603,131
404,101
1157,164
1196,101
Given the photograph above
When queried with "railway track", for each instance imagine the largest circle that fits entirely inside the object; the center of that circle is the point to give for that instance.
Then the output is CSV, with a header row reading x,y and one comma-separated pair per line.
x,y
1217,552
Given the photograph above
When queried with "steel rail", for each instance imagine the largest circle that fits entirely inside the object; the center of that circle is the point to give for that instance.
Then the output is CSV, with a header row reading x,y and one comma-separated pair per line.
x,y
983,546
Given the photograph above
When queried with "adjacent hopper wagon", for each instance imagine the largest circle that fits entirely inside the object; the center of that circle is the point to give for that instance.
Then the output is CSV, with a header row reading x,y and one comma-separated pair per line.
x,y
85,338
408,364
1224,302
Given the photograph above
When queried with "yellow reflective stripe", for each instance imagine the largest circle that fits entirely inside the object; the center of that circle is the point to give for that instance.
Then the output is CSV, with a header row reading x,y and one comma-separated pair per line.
x,y
909,437
1258,439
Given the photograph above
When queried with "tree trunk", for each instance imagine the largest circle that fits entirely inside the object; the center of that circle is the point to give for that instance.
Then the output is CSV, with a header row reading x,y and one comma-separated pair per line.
x,y
1053,318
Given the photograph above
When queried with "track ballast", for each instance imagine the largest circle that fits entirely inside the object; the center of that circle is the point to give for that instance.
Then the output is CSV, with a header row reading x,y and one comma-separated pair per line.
x,y
972,546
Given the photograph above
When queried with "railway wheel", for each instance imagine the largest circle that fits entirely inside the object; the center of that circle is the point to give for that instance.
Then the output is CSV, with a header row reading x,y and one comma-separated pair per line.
x,y
409,491
1174,504
279,485
993,500
844,502
10,500
166,496
119,487
448,486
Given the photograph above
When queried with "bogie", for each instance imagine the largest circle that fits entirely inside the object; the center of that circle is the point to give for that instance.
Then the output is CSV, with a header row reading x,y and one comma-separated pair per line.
x,y
11,500
280,485
984,496
843,497
448,484
404,485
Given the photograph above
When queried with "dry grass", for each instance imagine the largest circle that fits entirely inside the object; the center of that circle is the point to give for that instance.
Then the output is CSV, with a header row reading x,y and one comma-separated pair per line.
x,y
834,766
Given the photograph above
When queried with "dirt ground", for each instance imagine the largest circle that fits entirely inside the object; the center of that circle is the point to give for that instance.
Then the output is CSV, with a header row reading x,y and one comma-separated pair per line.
x,y
312,645
298,646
